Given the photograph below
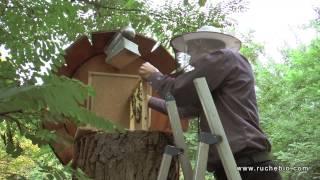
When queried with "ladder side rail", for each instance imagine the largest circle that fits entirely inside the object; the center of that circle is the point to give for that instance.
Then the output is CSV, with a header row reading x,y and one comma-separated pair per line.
x,y
224,150
202,159
178,137
164,167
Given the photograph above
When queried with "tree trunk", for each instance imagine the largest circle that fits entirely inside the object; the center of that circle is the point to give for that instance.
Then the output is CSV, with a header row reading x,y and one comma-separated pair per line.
x,y
134,155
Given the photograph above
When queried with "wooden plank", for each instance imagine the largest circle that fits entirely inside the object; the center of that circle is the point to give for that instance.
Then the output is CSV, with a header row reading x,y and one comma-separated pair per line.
x,y
100,40
161,58
216,128
146,122
80,51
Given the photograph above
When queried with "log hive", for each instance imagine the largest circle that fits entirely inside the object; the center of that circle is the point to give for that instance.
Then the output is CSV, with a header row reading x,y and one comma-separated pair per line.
x,y
133,155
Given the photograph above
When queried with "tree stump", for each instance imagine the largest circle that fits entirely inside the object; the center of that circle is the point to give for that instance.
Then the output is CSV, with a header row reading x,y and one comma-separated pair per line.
x,y
134,155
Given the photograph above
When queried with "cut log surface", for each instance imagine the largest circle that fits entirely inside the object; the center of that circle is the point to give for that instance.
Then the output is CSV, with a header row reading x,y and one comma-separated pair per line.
x,y
134,155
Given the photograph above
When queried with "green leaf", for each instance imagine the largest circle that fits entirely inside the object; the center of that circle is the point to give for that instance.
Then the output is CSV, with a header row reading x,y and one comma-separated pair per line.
x,y
130,3
202,3
7,93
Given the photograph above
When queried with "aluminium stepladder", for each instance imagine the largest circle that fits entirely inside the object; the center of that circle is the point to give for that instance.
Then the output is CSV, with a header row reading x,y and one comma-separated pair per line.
x,y
219,140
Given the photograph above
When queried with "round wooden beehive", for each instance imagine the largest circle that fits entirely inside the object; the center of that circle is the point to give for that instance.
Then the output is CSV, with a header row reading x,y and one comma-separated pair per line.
x,y
82,57
86,57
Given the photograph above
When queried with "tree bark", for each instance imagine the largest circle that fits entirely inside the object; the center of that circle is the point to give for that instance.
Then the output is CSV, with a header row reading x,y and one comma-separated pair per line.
x,y
134,155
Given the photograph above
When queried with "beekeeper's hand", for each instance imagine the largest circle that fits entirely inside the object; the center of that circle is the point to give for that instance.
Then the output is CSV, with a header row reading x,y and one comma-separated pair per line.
x,y
146,69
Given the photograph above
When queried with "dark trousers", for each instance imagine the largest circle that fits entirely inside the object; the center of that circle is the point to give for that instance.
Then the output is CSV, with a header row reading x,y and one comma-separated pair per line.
x,y
256,171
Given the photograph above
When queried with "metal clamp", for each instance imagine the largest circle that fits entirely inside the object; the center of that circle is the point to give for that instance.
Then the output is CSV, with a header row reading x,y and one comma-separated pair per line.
x,y
172,150
209,138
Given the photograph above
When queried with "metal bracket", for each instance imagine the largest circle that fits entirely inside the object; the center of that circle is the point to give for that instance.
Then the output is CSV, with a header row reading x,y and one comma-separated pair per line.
x,y
172,150
209,138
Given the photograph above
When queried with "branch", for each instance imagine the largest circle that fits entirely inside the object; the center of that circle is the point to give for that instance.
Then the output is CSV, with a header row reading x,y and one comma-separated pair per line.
x,y
98,5
20,126
5,78
10,112
16,121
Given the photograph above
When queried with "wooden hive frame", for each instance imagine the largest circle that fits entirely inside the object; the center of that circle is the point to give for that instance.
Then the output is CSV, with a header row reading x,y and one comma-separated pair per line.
x,y
122,90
